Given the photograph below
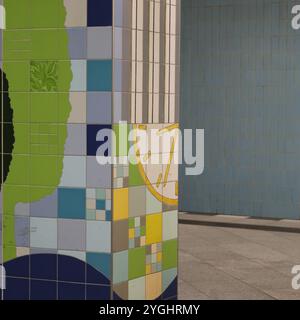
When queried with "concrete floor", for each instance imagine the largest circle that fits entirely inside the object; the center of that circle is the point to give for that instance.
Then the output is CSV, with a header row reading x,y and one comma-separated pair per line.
x,y
233,263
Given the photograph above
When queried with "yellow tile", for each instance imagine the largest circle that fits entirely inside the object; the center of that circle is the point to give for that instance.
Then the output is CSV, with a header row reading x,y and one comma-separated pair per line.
x,y
158,257
153,228
148,268
153,286
131,233
120,204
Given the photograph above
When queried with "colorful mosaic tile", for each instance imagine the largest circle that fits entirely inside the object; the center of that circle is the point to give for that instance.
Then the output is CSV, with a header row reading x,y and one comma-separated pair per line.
x,y
73,228
153,258
137,232
98,204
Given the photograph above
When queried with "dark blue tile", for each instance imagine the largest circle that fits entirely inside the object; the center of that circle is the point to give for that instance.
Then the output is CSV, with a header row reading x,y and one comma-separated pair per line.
x,y
95,277
16,289
97,292
18,267
71,291
43,266
99,13
43,290
116,296
92,143
171,291
71,269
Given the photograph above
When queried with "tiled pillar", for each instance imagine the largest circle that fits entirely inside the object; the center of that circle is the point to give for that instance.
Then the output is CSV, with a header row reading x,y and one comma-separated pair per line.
x,y
72,228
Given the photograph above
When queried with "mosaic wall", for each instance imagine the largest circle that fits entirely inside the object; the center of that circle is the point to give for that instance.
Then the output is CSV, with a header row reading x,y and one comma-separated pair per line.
x,y
72,228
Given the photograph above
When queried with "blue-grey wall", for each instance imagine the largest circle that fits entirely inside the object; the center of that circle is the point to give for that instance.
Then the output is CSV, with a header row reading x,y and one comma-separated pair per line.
x,y
241,83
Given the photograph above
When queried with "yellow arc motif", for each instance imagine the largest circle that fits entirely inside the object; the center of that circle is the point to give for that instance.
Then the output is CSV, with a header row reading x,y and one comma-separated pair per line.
x,y
154,192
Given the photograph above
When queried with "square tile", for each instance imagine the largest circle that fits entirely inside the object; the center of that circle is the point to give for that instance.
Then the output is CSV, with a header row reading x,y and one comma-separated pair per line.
x,y
43,76
45,208
153,228
43,264
79,70
152,204
170,225
120,235
168,276
43,233
101,262
98,293
123,13
99,105
77,43
71,203
98,204
153,258
122,43
99,135
120,267
99,75
23,289
99,236
120,204
22,251
120,175
79,255
22,231
169,254
72,234
43,290
120,291
76,140
76,13
99,43
78,104
136,232
71,291
122,107
122,72
153,286
99,13
98,175
74,172
137,289
137,201
136,262
121,149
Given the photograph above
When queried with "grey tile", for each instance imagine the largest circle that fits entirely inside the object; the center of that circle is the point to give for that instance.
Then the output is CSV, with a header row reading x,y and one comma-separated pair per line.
x,y
22,231
137,201
98,176
77,43
98,236
99,43
71,234
122,72
122,44
76,140
47,207
43,233
122,105
22,209
99,106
